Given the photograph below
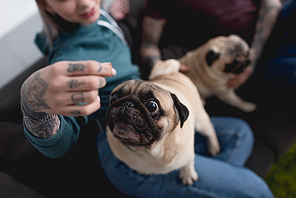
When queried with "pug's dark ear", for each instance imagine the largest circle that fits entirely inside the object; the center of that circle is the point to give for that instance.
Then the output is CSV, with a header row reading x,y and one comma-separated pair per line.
x,y
182,109
211,56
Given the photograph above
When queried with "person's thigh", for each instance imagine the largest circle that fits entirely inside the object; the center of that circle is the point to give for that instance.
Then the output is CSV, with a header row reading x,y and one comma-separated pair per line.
x,y
216,178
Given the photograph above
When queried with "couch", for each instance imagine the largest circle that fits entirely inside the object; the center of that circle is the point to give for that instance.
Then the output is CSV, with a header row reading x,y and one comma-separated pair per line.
x,y
24,171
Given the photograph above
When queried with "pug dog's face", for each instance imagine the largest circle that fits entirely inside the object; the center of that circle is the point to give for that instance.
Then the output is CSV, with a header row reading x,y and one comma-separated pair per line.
x,y
230,55
140,112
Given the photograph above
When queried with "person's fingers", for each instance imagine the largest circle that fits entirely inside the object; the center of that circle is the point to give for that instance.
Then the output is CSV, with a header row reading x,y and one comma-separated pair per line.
x,y
78,83
82,68
240,79
125,6
57,101
60,87
119,9
80,110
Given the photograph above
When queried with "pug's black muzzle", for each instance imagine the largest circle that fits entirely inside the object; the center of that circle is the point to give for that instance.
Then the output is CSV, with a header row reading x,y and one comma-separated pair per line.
x,y
236,67
131,122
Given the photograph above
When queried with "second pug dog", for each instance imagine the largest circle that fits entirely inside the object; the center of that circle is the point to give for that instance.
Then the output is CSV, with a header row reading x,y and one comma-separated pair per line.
x,y
214,63
151,124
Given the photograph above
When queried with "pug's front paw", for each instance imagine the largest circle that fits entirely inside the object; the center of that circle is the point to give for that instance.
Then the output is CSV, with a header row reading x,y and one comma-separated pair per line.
x,y
188,175
248,107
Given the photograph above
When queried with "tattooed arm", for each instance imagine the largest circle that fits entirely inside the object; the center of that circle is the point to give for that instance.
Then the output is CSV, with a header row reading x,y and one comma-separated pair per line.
x,y
42,128
151,33
32,92
150,53
267,16
57,89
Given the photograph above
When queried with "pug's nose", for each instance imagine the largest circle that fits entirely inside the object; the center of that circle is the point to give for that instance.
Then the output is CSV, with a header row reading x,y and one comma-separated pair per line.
x,y
126,105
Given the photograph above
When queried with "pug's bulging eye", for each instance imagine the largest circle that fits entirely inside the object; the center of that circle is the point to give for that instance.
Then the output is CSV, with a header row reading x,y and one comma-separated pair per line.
x,y
152,107
113,98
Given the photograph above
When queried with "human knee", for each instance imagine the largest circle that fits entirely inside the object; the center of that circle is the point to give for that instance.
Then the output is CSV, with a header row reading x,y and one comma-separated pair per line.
x,y
257,192
249,184
243,131
260,190
235,127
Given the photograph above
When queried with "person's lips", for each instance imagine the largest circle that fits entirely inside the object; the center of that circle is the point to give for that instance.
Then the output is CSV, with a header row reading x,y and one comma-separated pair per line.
x,y
89,13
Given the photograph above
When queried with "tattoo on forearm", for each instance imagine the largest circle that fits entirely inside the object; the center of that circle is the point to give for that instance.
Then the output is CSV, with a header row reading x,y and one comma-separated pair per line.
x,y
75,83
151,34
35,89
266,19
44,130
75,67
77,98
150,60
152,29
150,53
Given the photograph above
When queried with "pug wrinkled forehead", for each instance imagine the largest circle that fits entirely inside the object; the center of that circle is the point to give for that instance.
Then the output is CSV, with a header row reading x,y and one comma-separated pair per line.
x,y
143,109
233,52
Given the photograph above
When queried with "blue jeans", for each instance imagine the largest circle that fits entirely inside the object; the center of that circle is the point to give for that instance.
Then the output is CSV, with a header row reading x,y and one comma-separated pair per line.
x,y
221,176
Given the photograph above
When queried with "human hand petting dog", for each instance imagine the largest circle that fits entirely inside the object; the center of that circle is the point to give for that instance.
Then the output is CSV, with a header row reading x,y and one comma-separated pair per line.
x,y
58,88
240,79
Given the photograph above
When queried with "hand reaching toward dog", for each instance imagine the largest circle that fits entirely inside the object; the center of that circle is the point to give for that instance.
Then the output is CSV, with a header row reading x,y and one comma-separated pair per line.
x,y
58,88
63,88
240,79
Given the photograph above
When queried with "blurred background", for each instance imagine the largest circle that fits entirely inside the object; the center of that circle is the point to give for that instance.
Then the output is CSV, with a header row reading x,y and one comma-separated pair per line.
x,y
19,22
282,177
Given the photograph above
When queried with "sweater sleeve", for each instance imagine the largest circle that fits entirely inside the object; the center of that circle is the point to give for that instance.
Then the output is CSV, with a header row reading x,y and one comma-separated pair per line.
x,y
62,142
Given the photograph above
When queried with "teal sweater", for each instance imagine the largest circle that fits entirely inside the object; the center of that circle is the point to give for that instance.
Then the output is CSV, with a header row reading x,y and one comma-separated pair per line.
x,y
102,41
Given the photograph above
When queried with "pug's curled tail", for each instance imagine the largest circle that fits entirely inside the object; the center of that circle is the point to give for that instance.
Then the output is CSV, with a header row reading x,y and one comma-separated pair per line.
x,y
167,67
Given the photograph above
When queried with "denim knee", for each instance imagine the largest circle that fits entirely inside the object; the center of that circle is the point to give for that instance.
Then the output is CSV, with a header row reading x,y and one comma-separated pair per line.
x,y
236,139
234,126
244,131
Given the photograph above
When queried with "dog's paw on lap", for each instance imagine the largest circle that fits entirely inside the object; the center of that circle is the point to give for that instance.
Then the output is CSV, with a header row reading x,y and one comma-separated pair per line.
x,y
188,175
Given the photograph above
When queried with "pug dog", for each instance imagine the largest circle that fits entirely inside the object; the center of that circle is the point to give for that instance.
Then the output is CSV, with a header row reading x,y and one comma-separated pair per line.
x,y
151,124
214,63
